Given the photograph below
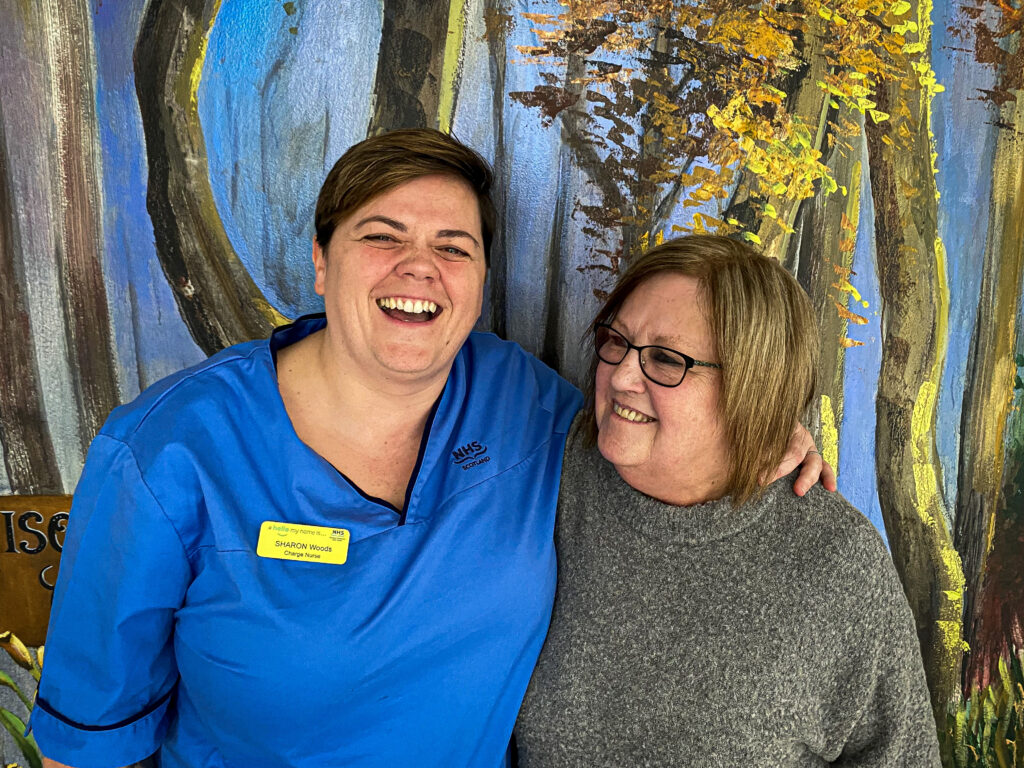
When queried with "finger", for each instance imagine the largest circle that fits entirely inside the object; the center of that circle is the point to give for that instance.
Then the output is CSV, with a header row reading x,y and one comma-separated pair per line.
x,y
810,471
828,477
790,461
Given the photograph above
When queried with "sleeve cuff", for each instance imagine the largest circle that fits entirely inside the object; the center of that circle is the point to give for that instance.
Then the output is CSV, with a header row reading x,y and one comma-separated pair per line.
x,y
91,746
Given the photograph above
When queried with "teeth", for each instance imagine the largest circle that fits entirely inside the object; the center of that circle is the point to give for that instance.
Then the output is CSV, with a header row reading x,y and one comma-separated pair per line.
x,y
412,306
631,415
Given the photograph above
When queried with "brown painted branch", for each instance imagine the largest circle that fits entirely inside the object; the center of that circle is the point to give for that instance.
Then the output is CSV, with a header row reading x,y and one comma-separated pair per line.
x,y
409,64
906,459
27,447
988,395
217,298
77,199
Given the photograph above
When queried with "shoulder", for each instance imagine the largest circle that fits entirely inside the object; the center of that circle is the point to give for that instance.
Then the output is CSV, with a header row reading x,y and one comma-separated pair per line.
x,y
831,542
193,393
507,374
829,517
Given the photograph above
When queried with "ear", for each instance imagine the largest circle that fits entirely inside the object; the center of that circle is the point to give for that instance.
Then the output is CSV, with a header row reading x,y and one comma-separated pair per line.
x,y
319,269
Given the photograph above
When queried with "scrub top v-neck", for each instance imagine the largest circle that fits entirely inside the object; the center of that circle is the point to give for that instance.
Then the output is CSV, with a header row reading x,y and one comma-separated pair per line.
x,y
170,633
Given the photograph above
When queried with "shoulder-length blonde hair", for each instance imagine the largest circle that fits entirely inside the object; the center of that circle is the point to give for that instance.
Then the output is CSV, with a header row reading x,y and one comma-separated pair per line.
x,y
766,338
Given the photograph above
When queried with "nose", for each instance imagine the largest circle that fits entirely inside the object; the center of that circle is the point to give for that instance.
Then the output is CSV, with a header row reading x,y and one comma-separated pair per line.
x,y
627,376
418,262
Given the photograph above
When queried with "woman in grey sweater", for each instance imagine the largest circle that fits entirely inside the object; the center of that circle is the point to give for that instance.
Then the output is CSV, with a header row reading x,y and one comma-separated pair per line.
x,y
700,619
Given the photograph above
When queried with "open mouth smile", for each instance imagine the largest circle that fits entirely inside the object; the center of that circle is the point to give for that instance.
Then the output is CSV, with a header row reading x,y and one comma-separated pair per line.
x,y
409,310
630,415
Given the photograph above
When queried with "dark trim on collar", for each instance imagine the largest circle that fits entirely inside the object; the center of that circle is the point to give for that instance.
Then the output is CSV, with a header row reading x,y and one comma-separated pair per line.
x,y
419,456
284,335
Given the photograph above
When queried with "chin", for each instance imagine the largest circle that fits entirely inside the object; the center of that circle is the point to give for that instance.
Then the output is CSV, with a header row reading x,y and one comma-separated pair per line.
x,y
408,359
622,452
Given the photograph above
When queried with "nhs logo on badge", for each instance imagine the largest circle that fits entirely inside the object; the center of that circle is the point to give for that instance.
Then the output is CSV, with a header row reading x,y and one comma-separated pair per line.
x,y
470,455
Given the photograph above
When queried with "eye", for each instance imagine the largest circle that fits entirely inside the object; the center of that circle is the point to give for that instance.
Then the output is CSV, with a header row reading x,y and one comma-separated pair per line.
x,y
453,252
666,357
380,238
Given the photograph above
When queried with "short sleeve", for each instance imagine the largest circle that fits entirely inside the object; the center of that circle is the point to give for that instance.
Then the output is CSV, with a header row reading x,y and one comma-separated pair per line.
x,y
109,673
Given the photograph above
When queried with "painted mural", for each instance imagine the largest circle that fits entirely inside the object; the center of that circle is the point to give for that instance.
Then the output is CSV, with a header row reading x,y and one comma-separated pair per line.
x,y
159,164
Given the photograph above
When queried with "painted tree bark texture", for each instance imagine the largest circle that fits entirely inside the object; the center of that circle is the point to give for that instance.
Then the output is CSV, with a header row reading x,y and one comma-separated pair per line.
x,y
914,321
29,460
808,103
990,456
56,273
77,197
218,299
806,129
409,66
831,219
496,20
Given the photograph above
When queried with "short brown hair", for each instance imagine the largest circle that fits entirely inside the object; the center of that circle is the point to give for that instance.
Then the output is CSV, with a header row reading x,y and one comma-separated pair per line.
x,y
766,337
380,163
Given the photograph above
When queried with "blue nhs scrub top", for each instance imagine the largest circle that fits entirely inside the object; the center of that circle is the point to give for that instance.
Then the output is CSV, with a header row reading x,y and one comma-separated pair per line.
x,y
168,632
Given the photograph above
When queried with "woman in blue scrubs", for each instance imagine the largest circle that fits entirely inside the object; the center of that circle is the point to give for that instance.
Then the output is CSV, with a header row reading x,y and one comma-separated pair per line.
x,y
334,546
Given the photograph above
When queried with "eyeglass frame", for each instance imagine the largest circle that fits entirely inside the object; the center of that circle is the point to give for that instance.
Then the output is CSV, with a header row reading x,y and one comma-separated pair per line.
x,y
687,359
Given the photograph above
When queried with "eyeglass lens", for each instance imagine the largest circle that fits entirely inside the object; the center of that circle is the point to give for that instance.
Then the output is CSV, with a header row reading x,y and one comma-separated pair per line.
x,y
659,364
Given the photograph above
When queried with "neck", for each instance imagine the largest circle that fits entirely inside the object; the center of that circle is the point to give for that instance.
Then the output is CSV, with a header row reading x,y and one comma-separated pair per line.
x,y
353,377
375,405
671,488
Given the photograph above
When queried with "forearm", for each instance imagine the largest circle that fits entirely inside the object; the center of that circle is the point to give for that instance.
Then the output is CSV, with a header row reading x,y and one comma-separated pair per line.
x,y
48,763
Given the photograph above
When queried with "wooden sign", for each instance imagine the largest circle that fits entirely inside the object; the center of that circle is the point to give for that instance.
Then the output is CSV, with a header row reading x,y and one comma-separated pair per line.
x,y
31,539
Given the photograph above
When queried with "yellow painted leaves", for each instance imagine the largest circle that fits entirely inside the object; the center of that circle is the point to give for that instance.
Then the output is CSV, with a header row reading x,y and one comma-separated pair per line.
x,y
681,101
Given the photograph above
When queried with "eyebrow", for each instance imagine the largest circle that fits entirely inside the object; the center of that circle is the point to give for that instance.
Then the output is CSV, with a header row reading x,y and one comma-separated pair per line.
x,y
456,233
659,341
402,228
383,220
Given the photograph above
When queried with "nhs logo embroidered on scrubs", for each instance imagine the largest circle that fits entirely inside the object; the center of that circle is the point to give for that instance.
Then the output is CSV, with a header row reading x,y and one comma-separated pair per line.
x,y
470,455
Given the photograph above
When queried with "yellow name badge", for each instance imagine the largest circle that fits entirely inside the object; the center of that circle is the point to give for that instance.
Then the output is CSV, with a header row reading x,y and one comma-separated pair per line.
x,y
305,543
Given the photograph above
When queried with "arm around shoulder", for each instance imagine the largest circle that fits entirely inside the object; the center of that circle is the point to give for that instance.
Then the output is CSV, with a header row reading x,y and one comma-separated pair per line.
x,y
48,763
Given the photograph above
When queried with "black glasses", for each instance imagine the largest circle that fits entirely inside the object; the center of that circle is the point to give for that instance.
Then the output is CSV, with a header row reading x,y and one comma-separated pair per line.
x,y
661,365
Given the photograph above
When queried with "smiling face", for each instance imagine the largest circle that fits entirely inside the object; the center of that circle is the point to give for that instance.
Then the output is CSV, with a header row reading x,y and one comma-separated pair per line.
x,y
402,279
666,442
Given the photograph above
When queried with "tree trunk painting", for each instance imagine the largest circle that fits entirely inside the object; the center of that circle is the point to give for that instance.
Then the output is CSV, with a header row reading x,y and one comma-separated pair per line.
x,y
496,22
27,450
410,66
832,219
989,510
804,129
218,299
86,315
914,294
772,219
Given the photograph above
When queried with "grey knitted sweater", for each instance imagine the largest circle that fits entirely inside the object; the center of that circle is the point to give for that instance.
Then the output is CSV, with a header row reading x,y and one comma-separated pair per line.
x,y
775,634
